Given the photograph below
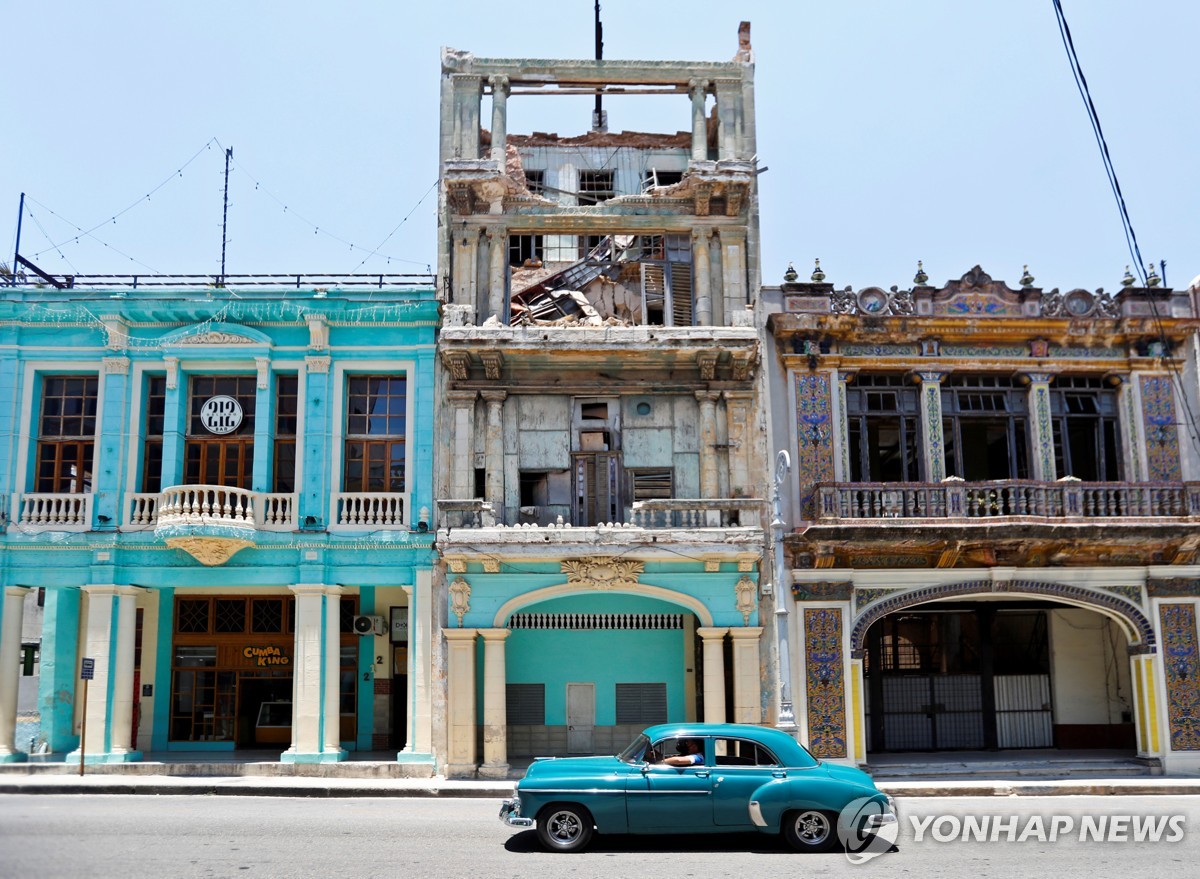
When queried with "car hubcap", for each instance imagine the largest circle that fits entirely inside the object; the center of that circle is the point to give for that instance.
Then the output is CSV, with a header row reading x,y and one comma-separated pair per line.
x,y
812,827
565,826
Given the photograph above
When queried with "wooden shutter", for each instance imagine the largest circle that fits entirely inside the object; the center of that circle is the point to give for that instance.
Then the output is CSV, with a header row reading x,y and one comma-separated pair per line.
x,y
681,294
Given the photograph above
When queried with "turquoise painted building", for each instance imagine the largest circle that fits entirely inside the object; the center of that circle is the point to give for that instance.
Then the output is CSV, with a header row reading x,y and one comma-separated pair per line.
x,y
221,497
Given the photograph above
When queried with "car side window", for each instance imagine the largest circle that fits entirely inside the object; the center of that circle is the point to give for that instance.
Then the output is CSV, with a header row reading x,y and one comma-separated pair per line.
x,y
743,752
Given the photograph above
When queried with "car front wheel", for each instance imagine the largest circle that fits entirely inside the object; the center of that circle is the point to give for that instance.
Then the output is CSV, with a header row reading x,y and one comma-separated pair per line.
x,y
810,830
564,827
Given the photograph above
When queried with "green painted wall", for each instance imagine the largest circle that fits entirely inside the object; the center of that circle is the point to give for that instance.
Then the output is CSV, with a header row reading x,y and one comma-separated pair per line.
x,y
605,657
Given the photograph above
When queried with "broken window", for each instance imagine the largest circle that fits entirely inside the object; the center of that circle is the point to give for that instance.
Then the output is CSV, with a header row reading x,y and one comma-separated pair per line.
x,y
882,420
596,186
653,177
535,181
650,484
526,250
597,487
1084,413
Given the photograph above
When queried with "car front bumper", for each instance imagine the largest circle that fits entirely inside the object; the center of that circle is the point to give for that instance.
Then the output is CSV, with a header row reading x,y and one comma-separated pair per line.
x,y
510,813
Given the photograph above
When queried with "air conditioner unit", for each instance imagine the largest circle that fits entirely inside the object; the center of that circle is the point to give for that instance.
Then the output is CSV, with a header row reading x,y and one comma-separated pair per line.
x,y
368,625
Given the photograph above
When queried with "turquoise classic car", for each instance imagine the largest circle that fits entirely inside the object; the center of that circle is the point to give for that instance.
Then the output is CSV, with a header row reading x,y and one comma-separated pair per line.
x,y
698,778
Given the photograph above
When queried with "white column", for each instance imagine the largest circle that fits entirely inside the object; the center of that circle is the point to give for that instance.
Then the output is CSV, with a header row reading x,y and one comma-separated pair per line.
x,y
747,678
333,671
499,118
714,673
10,670
494,452
703,316
699,90
461,753
316,676
420,633
495,721
497,245
123,695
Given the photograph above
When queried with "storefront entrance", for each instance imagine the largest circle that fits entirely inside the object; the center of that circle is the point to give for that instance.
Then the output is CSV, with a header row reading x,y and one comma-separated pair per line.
x,y
231,675
982,676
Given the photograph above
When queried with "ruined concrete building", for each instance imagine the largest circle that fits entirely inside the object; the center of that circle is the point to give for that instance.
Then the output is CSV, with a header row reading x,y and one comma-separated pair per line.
x,y
599,499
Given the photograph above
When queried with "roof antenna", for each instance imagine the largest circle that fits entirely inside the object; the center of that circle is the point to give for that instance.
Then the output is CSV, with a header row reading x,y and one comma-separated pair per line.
x,y
599,117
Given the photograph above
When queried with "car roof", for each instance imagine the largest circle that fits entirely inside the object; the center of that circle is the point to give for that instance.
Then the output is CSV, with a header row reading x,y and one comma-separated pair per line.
x,y
764,734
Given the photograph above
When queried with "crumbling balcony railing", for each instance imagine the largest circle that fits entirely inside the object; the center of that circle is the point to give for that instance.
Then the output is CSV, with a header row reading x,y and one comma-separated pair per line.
x,y
698,513
1007,498
465,513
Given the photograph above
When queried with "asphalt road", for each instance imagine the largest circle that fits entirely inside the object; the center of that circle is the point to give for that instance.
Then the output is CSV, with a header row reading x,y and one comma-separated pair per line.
x,y
150,836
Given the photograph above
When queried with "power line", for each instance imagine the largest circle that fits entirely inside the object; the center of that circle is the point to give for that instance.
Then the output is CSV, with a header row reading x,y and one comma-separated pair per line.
x,y
1126,224
82,233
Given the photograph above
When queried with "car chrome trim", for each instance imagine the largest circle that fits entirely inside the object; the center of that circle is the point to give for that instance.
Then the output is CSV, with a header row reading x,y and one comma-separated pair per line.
x,y
756,814
540,791
670,793
509,810
876,821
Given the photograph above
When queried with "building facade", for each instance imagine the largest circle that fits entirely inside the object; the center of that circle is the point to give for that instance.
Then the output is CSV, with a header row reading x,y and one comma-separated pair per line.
x,y
993,507
600,521
221,497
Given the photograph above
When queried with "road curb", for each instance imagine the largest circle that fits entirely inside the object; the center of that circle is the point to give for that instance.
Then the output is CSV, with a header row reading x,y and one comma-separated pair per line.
x,y
236,787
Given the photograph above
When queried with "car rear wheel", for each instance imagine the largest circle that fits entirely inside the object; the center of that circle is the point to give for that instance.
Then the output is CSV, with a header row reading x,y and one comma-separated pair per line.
x,y
810,830
564,827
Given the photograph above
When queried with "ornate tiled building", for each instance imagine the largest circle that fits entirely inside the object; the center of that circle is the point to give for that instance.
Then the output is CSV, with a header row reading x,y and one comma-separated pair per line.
x,y
599,502
993,534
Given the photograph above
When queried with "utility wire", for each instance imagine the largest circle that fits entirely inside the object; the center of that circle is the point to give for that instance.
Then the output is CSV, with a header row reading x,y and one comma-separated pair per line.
x,y
178,172
88,233
1126,224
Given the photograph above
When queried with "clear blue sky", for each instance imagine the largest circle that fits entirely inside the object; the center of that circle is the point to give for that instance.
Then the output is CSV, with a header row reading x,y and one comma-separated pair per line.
x,y
894,131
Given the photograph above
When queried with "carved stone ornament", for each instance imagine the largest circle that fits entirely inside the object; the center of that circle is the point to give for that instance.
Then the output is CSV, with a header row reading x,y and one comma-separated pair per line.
x,y
116,365
317,364
210,551
843,302
492,361
460,599
603,572
216,337
746,593
457,566
707,363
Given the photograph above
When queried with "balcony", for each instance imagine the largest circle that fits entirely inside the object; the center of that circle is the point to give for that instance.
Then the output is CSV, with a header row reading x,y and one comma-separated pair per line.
x,y
59,511
369,511
1006,500
211,505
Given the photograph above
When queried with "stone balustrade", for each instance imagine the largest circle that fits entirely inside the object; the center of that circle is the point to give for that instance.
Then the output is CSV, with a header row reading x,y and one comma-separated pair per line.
x,y
465,513
211,505
698,513
370,510
1065,499
59,511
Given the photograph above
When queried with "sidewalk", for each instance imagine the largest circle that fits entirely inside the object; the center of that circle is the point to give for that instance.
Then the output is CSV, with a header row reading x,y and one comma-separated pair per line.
x,y
373,779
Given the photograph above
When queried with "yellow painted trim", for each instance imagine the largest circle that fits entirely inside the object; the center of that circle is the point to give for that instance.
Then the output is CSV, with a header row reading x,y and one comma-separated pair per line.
x,y
856,676
1152,698
1143,725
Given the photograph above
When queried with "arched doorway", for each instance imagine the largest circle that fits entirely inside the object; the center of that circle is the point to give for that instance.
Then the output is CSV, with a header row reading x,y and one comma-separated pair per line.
x,y
587,672
971,668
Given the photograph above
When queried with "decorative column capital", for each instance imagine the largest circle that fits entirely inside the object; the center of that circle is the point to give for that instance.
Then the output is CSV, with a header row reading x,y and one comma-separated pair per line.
x,y
16,591
462,399
311,589
172,365
930,377
1038,378
499,84
460,635
697,85
116,366
494,635
317,364
494,398
263,365
712,633
708,398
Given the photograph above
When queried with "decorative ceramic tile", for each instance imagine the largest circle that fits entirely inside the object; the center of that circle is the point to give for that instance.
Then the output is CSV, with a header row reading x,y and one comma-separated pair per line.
x,y
814,436
826,686
978,351
1043,433
858,350
1162,438
1182,667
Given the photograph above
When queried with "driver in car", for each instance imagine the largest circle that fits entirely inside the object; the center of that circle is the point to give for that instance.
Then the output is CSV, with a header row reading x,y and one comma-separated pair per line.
x,y
691,753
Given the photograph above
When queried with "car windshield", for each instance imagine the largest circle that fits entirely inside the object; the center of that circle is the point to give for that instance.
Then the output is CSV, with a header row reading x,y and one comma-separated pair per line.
x,y
634,752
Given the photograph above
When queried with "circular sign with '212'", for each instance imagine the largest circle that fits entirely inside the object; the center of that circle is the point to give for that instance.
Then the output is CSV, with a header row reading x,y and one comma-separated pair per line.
x,y
221,414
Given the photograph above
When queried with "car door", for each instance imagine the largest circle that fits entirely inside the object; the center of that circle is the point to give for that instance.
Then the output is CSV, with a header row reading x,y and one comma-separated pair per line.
x,y
664,798
740,768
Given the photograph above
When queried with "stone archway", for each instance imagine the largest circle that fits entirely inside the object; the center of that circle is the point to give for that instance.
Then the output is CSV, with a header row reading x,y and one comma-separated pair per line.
x,y
1135,700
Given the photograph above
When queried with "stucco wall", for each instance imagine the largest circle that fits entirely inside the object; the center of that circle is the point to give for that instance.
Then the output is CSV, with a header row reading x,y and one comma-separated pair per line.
x,y
1089,668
